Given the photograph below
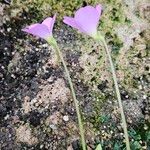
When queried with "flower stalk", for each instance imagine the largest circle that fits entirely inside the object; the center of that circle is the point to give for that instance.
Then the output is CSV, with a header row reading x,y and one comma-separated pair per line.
x,y
53,42
102,39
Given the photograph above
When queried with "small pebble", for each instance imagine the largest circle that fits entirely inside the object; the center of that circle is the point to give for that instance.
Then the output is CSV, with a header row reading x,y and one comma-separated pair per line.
x,y
52,126
144,96
140,87
6,117
66,118
41,146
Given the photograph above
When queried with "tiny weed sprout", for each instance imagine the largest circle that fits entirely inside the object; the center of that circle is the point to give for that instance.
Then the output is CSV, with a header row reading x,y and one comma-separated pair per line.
x,y
86,21
44,31
99,147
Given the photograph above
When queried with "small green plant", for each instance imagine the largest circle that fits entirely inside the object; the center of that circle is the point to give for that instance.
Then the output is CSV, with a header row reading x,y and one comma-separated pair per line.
x,y
104,118
99,147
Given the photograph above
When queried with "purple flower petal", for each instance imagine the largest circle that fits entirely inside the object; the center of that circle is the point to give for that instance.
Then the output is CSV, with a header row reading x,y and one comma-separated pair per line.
x,y
88,18
31,26
47,22
52,23
39,30
99,9
43,30
71,22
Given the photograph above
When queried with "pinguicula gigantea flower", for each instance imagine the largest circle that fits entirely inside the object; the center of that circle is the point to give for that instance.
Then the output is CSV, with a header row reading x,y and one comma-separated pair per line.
x,y
42,30
86,20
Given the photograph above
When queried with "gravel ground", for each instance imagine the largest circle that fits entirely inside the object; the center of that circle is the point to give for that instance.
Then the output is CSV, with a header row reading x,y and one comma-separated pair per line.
x,y
36,108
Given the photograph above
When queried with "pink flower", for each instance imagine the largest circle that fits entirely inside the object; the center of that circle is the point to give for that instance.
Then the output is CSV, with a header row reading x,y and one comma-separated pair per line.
x,y
42,30
86,20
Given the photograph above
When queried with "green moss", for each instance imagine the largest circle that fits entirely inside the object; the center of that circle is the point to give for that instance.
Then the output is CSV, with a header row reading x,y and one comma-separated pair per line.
x,y
113,13
50,7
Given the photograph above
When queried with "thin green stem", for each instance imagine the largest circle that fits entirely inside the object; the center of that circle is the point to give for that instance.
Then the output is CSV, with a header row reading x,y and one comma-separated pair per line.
x,y
118,94
76,103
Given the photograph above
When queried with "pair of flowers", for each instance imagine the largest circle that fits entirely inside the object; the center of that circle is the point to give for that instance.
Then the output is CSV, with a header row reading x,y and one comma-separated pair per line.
x,y
86,20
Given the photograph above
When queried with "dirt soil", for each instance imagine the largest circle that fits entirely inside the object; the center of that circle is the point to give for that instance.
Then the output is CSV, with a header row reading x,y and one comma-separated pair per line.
x,y
36,107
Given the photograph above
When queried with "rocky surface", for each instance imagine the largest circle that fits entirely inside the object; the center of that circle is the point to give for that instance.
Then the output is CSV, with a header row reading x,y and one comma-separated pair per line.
x,y
36,108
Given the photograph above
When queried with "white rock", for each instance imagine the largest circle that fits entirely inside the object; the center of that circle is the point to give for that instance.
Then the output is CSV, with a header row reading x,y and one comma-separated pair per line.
x,y
66,118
